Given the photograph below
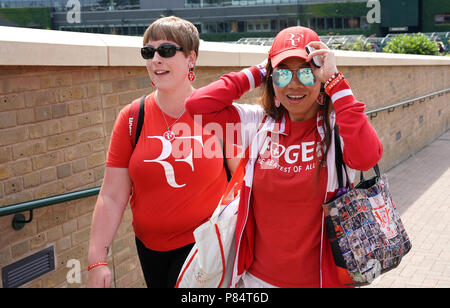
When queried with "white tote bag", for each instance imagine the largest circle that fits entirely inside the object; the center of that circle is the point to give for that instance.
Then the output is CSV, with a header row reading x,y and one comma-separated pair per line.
x,y
210,262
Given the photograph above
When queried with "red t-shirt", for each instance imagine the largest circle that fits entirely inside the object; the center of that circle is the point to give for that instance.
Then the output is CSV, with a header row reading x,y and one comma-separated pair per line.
x,y
287,250
177,183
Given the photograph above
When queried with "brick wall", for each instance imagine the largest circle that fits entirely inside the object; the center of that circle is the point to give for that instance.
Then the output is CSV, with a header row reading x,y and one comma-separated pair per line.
x,y
55,127
55,124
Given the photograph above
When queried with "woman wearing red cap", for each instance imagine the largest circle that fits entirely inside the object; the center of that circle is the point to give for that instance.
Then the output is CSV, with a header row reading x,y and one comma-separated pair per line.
x,y
280,236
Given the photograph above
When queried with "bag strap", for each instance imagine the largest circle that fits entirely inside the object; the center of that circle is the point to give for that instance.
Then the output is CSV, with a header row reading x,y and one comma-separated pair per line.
x,y
238,175
225,165
339,159
136,120
376,168
235,182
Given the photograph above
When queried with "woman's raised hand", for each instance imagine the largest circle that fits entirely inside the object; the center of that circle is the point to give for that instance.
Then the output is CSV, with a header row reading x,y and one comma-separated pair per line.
x,y
329,61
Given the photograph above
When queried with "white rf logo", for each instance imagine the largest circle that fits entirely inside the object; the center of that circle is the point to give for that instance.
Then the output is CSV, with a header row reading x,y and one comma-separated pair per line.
x,y
165,153
295,39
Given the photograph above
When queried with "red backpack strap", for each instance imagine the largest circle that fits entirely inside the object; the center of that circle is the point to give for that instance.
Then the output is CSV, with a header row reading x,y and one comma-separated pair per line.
x,y
136,119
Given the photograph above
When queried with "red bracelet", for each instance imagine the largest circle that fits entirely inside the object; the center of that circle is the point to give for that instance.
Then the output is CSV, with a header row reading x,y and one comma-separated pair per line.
x,y
96,264
332,81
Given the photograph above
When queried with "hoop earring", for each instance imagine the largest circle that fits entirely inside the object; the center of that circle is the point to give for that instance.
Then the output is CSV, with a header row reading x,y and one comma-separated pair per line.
x,y
191,75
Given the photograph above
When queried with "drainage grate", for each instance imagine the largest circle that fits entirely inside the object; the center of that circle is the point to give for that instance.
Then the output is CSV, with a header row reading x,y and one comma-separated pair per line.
x,y
29,268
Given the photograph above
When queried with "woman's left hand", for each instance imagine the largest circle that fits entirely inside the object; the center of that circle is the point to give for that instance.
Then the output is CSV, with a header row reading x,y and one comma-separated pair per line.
x,y
329,61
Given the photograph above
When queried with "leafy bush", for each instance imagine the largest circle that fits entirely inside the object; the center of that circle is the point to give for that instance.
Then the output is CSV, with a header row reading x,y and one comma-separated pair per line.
x,y
359,45
418,44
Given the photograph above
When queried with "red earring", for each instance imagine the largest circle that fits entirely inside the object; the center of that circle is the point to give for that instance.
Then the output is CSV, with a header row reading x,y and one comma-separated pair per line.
x,y
153,84
191,75
277,102
321,99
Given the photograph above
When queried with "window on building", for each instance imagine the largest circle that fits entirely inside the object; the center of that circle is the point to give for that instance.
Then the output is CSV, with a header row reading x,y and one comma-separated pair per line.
x,y
266,25
320,23
258,25
338,23
274,24
364,23
346,22
354,22
329,23
220,27
192,3
442,19
211,27
209,3
141,30
292,22
241,26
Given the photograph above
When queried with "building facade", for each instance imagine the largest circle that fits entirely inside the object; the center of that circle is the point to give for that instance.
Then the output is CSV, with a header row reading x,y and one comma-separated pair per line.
x,y
226,20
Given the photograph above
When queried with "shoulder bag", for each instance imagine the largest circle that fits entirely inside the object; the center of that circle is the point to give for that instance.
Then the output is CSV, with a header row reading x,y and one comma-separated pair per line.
x,y
366,233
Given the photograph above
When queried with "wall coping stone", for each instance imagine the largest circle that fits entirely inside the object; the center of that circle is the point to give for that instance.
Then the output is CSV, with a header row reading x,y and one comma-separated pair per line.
x,y
36,47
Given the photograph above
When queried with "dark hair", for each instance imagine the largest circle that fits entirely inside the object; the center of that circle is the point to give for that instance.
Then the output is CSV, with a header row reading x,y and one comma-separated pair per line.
x,y
326,109
267,102
175,29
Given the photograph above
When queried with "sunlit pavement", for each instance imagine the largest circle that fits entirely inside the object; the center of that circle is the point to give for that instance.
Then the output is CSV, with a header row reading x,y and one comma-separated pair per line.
x,y
420,186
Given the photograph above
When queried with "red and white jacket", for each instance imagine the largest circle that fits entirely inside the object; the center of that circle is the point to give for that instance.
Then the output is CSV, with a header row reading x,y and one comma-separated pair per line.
x,y
361,150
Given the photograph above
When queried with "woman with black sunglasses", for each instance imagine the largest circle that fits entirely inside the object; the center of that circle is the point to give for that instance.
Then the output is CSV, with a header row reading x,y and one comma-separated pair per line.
x,y
173,187
280,237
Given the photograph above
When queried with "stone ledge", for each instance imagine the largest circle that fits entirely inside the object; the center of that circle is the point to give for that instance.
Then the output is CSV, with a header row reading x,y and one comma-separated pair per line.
x,y
29,47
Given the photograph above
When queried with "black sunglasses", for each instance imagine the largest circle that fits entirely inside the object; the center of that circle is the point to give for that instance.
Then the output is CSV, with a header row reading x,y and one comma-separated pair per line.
x,y
164,50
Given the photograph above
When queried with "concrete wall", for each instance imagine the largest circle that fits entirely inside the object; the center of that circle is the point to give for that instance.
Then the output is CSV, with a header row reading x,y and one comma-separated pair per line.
x,y
60,93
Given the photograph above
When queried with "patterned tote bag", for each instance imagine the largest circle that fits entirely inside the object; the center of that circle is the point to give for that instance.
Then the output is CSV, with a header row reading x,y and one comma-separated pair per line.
x,y
366,233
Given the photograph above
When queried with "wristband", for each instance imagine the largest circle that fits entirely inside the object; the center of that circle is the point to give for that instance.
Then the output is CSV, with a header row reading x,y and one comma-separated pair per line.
x,y
332,81
96,264
262,71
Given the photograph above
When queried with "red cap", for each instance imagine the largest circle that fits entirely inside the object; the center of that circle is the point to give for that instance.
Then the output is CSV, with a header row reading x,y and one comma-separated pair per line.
x,y
291,42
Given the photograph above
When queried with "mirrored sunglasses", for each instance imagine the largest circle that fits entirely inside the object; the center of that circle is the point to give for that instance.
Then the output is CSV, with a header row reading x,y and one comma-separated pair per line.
x,y
164,50
282,77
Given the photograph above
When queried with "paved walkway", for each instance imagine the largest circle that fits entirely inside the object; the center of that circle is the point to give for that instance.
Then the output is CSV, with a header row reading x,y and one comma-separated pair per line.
x,y
420,186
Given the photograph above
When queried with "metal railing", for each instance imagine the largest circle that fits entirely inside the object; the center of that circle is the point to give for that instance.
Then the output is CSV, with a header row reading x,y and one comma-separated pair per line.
x,y
407,103
19,220
342,41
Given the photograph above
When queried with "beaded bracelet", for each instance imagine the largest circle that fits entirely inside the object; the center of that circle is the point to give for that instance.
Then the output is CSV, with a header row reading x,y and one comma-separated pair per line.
x,y
96,264
332,81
